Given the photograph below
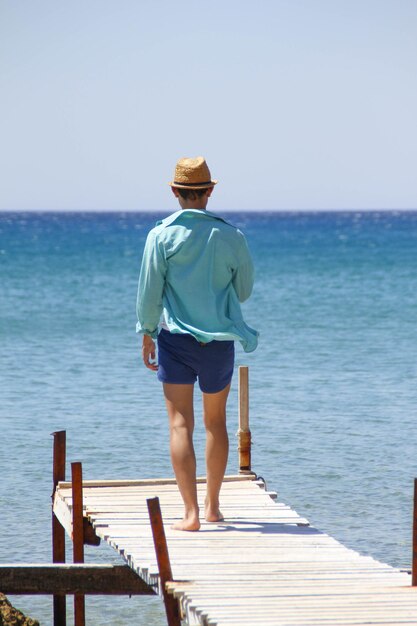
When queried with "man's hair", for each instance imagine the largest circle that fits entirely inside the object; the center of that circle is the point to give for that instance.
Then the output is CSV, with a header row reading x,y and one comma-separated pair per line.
x,y
191,194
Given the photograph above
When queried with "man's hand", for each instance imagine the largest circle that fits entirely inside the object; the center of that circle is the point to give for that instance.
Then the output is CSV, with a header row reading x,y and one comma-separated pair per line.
x,y
148,353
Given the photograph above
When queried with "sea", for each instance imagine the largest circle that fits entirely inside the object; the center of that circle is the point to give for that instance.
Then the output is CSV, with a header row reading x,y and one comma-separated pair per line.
x,y
333,383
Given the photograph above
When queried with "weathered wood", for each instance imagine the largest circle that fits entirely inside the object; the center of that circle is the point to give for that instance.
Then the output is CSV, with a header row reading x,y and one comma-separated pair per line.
x,y
255,567
150,482
89,535
63,510
162,557
78,535
77,513
58,531
44,579
63,514
244,397
243,433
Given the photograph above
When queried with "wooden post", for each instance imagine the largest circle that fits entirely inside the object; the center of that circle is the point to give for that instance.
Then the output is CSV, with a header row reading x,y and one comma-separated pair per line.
x,y
58,532
244,434
78,535
164,564
414,561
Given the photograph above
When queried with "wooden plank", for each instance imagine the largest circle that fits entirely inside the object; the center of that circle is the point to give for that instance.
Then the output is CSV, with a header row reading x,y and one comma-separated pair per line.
x,y
232,484
71,579
251,588
154,481
63,512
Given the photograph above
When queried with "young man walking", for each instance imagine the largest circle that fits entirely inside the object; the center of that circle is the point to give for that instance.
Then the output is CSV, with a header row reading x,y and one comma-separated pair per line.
x,y
196,270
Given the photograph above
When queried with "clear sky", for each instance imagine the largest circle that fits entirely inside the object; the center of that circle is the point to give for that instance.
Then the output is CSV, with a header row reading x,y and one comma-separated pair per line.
x,y
296,104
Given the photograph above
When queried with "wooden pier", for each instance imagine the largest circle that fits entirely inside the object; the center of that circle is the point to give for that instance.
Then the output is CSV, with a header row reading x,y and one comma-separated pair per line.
x,y
264,565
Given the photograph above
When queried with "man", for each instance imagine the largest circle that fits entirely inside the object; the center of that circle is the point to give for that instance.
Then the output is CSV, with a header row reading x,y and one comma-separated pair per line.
x,y
196,269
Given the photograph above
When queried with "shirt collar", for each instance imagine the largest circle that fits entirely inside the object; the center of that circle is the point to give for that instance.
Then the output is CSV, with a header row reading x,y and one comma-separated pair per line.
x,y
171,219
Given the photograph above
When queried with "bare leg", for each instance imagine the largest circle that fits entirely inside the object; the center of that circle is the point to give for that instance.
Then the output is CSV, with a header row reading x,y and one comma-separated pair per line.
x,y
217,449
179,402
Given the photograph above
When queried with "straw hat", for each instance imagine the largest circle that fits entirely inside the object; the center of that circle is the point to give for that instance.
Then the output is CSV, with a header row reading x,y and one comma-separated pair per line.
x,y
192,174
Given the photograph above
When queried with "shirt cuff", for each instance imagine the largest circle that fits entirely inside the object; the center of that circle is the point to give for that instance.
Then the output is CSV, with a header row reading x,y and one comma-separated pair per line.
x,y
144,331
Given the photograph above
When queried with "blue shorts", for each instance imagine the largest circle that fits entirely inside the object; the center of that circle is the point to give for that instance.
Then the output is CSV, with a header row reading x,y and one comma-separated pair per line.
x,y
182,359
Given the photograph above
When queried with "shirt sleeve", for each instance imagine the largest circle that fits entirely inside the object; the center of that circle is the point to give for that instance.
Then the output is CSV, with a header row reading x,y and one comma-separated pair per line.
x,y
243,276
150,287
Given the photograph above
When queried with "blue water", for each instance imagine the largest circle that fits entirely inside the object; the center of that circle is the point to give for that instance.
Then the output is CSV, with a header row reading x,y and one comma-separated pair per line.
x,y
333,382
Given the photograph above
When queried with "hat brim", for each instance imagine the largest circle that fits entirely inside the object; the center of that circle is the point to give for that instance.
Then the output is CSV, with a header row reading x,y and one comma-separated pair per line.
x,y
204,186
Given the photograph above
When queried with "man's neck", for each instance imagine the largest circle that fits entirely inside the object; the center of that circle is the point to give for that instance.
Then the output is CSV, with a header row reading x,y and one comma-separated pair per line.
x,y
194,204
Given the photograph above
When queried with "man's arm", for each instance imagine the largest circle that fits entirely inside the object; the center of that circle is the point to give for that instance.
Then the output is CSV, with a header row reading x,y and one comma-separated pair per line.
x,y
150,288
243,276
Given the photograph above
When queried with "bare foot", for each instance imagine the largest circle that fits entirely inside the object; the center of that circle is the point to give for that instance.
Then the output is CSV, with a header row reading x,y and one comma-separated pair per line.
x,y
190,523
213,515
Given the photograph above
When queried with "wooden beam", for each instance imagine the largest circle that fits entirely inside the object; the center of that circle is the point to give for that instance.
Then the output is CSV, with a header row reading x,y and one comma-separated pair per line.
x,y
46,579
164,564
78,535
58,474
58,532
77,513
243,433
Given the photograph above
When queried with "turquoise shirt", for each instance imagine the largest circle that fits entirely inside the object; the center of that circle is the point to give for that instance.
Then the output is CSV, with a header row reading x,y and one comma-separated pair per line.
x,y
196,269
